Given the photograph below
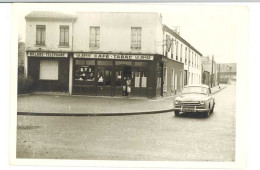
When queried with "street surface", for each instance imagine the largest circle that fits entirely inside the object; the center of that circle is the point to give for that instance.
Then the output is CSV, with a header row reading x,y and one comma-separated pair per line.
x,y
160,137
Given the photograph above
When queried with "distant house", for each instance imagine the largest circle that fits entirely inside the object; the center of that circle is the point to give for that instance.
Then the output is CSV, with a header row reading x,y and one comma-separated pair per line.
x,y
227,73
209,71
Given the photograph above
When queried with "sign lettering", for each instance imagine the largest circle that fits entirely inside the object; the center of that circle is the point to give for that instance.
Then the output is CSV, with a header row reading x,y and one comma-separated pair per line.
x,y
113,56
46,54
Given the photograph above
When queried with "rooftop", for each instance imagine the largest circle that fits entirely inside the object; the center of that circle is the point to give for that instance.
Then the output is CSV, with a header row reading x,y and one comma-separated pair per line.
x,y
49,15
166,28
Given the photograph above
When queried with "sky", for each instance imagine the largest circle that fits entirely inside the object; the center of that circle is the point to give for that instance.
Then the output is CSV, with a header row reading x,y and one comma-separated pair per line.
x,y
213,29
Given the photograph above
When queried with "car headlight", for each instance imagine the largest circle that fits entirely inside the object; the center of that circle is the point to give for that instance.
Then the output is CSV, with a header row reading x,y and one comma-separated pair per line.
x,y
202,102
176,102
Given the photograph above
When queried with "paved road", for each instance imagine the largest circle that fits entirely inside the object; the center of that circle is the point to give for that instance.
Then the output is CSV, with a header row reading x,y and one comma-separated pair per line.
x,y
137,137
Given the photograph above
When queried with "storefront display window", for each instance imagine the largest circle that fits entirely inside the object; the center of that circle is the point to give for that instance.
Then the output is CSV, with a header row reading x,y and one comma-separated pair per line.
x,y
144,79
85,73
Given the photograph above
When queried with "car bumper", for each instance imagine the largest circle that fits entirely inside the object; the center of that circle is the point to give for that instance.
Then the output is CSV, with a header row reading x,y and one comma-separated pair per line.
x,y
189,109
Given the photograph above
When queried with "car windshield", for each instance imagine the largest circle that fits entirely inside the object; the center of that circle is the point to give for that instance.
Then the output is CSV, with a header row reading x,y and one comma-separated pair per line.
x,y
195,89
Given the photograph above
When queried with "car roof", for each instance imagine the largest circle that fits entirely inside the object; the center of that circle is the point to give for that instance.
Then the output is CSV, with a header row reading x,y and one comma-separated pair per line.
x,y
197,85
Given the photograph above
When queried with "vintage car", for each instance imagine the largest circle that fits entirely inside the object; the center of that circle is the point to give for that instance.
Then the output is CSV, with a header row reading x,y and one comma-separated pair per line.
x,y
194,98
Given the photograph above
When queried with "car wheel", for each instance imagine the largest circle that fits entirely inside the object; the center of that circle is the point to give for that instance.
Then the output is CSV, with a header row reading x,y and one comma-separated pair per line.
x,y
177,113
212,110
206,114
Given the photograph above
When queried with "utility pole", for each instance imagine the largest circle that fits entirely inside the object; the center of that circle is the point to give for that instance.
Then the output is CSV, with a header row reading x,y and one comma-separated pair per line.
x,y
212,70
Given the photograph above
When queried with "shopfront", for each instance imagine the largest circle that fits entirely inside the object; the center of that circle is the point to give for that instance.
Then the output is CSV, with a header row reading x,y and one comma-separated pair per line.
x,y
113,74
49,70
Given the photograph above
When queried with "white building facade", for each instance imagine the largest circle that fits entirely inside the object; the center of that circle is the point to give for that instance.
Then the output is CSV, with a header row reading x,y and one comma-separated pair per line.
x,y
107,54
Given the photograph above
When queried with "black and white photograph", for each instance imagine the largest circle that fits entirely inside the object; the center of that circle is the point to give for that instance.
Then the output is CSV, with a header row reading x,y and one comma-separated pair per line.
x,y
129,82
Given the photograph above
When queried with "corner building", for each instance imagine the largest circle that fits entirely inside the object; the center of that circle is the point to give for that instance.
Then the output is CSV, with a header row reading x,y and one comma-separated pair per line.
x,y
101,54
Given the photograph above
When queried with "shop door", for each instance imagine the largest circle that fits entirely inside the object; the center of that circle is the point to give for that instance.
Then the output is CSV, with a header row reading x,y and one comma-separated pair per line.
x,y
104,81
118,83
127,81
140,82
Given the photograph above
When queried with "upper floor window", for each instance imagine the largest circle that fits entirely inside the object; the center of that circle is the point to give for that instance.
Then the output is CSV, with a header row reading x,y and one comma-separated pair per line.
x,y
172,48
181,53
94,37
192,57
185,55
40,34
64,35
177,50
136,38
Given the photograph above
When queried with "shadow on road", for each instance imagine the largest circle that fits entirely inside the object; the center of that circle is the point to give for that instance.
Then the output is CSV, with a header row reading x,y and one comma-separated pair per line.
x,y
193,115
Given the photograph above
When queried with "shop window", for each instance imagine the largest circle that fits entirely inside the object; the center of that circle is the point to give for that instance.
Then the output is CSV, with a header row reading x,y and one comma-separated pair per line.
x,y
85,74
104,76
79,62
141,64
64,35
144,79
137,79
94,37
118,78
126,63
136,38
49,69
105,63
40,34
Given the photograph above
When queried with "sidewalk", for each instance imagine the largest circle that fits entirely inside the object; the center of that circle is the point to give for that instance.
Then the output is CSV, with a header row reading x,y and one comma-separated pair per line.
x,y
78,105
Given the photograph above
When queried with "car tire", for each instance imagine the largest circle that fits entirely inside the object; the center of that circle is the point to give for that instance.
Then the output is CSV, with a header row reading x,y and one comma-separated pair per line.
x,y
206,114
177,113
212,110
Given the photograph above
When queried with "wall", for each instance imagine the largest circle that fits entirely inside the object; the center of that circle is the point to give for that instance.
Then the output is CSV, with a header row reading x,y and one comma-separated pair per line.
x,y
52,35
176,53
173,85
115,31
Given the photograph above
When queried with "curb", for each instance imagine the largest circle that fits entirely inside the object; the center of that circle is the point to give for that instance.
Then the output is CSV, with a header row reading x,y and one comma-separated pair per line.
x,y
219,90
91,114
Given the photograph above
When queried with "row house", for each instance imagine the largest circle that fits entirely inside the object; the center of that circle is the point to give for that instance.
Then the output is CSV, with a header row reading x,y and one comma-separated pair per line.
x,y
179,50
107,54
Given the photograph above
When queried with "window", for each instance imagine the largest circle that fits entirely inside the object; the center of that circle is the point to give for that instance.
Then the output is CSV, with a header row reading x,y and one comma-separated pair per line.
x,y
172,48
176,50
64,35
189,57
49,69
40,34
181,53
136,38
192,58
94,37
185,55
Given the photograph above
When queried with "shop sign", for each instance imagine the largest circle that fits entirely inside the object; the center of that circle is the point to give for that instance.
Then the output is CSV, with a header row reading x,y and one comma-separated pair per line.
x,y
113,56
46,54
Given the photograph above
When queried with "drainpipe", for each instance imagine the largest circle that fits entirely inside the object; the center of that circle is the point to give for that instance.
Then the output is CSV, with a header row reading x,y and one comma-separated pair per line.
x,y
71,60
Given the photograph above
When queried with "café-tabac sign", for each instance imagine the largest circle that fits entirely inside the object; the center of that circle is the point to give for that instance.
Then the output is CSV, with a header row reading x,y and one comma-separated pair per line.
x,y
46,54
113,56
